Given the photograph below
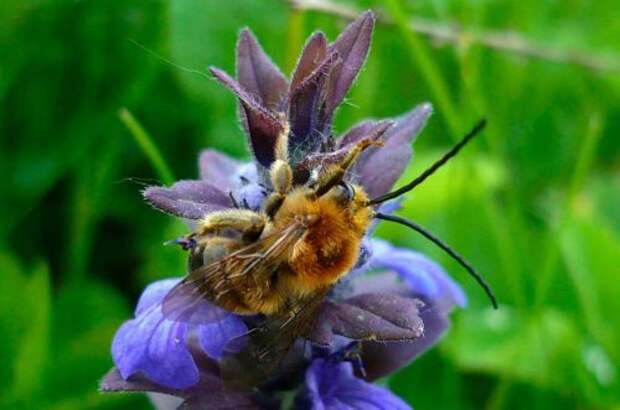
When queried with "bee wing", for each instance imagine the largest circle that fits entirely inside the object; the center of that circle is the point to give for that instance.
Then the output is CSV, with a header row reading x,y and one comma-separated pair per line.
x,y
188,302
193,299
271,347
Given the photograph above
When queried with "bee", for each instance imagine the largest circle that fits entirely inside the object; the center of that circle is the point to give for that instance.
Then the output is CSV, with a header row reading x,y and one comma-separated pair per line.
x,y
282,260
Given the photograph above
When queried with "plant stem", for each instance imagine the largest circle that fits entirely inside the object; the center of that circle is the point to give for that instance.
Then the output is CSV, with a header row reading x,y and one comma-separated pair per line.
x,y
497,40
420,57
583,165
145,142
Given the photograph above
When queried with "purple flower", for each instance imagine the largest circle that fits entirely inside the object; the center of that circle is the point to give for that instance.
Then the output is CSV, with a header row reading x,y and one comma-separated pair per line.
x,y
158,348
391,315
332,384
425,277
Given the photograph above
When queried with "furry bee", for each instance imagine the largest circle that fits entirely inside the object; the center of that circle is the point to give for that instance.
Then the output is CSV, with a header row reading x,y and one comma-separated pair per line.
x,y
274,260
282,260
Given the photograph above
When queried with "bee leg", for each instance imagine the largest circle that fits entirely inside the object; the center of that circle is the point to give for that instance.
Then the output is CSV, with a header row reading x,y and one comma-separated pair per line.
x,y
249,223
280,173
282,180
334,175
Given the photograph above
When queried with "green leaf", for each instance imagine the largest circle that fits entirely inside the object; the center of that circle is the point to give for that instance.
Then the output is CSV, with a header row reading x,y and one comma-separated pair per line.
x,y
591,252
546,351
32,354
86,316
12,314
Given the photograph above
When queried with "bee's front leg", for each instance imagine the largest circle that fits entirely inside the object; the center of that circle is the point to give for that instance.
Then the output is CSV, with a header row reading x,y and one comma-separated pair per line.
x,y
335,174
249,223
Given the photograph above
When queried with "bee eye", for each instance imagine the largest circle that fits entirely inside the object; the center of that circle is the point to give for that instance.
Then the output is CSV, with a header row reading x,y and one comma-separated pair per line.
x,y
347,190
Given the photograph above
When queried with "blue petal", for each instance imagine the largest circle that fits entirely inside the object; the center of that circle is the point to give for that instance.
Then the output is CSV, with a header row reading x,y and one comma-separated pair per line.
x,y
154,294
332,385
155,347
251,194
215,337
426,278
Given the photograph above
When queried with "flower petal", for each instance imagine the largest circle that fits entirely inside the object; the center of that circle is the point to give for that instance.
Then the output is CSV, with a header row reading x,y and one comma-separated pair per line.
x,y
188,199
260,124
425,277
370,316
247,188
311,57
394,156
154,293
251,195
155,347
186,303
352,45
256,72
217,169
333,385
215,337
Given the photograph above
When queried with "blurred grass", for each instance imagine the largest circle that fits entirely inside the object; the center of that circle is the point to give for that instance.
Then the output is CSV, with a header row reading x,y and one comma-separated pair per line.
x,y
534,204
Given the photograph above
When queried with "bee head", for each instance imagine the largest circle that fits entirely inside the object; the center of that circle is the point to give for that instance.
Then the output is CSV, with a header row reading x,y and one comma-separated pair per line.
x,y
348,195
344,192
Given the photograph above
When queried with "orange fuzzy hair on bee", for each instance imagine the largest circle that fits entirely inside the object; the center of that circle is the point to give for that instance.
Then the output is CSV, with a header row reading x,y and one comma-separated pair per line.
x,y
330,246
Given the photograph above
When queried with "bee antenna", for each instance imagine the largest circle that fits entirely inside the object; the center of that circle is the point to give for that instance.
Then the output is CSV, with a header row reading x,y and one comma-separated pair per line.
x,y
430,170
446,248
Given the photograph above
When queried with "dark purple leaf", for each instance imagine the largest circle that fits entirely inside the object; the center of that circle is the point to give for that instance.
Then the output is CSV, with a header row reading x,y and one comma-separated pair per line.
x,y
352,45
379,168
312,56
370,316
114,382
223,400
188,199
209,394
261,125
307,110
217,168
257,74
381,359
365,129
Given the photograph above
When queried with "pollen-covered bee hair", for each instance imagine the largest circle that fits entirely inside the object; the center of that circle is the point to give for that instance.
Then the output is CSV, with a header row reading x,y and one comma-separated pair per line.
x,y
282,260
303,240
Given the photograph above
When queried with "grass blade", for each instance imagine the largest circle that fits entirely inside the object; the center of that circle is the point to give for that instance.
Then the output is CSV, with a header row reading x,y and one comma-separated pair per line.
x,y
146,144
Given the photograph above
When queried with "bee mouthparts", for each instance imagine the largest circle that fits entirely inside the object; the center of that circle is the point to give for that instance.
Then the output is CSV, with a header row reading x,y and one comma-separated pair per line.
x,y
186,243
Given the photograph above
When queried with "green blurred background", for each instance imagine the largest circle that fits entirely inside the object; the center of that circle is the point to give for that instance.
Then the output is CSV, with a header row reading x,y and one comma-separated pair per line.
x,y
534,203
